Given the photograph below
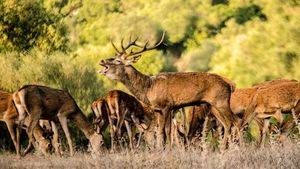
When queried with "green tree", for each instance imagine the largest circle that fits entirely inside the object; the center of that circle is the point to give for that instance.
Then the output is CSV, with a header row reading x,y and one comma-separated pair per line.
x,y
260,50
27,24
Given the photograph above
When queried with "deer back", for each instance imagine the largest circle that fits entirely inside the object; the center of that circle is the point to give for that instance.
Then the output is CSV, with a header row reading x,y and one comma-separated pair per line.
x,y
185,89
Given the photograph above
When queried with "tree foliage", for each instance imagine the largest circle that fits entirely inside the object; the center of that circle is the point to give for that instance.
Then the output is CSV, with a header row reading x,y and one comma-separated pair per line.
x,y
27,24
58,43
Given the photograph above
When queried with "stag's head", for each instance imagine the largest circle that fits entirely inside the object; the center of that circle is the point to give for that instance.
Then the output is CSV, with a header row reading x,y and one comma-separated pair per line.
x,y
115,67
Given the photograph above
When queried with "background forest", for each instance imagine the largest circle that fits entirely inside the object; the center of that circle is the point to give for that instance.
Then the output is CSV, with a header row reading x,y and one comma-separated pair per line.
x,y
58,43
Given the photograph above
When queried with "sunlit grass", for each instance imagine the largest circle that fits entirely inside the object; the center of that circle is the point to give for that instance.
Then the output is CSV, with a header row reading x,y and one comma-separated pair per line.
x,y
270,156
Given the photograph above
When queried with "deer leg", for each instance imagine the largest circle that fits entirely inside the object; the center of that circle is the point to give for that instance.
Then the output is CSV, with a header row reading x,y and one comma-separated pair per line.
x,y
11,129
120,117
264,131
226,122
160,130
120,122
43,144
186,132
168,127
296,120
139,140
18,140
20,122
111,125
112,111
33,122
129,132
140,127
175,134
55,139
64,124
204,133
112,134
28,148
219,131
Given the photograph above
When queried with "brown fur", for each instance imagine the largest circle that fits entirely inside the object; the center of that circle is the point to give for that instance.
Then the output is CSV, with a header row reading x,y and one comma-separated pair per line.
x,y
241,99
197,119
123,108
167,92
51,129
9,114
272,101
41,102
267,101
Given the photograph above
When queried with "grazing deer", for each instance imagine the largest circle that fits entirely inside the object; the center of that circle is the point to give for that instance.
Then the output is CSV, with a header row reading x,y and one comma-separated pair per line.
x,y
41,102
241,98
198,118
123,108
167,92
272,101
9,114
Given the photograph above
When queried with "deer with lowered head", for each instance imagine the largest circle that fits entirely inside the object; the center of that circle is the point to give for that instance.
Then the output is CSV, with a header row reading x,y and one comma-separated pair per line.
x,y
198,119
9,114
41,102
118,109
271,101
241,98
167,92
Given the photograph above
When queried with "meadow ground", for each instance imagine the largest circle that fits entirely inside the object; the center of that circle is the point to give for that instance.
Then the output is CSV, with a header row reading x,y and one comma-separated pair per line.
x,y
271,156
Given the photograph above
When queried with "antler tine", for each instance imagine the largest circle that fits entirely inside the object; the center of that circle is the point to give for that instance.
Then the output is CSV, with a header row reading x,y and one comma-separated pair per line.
x,y
145,48
131,43
114,46
123,49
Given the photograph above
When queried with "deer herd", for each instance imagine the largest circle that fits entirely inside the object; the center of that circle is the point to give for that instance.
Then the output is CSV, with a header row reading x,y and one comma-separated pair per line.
x,y
149,114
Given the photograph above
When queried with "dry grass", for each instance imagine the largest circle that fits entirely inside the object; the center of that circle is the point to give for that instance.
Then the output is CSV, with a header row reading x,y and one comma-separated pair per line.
x,y
273,156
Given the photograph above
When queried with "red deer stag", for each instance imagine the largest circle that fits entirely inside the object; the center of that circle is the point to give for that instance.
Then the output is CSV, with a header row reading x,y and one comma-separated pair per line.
x,y
123,108
167,92
272,101
41,102
9,114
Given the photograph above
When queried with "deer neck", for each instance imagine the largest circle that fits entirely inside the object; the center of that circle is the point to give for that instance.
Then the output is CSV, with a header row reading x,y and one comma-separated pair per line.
x,y
82,123
137,83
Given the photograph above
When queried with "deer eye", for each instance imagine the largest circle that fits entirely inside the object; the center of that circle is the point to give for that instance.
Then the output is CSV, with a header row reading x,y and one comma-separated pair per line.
x,y
118,61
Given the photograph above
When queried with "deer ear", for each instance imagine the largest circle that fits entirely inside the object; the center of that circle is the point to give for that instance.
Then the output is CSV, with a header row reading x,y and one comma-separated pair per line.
x,y
132,60
136,58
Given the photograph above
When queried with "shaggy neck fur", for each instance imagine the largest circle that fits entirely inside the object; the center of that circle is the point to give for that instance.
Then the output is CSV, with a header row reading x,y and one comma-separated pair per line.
x,y
137,83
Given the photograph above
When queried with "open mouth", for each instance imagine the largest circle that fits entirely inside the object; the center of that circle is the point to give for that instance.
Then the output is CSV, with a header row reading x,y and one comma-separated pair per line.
x,y
105,69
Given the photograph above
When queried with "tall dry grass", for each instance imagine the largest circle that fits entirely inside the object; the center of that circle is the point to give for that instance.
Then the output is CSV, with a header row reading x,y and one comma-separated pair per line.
x,y
271,156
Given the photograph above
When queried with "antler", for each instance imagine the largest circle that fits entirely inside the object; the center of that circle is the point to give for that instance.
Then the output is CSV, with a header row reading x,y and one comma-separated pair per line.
x,y
145,48
133,43
124,48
